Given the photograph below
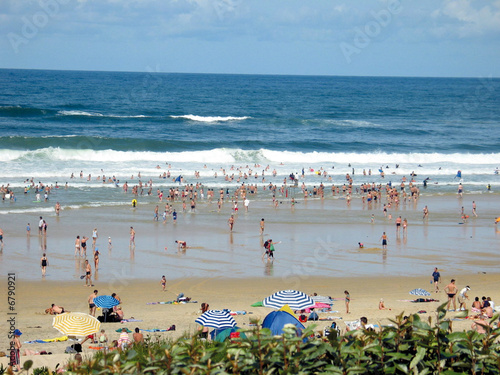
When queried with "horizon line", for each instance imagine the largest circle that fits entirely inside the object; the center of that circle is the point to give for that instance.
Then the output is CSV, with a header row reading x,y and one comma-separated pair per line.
x,y
251,74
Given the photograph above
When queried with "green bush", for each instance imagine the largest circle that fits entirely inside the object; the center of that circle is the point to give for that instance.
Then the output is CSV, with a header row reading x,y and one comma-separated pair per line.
x,y
408,346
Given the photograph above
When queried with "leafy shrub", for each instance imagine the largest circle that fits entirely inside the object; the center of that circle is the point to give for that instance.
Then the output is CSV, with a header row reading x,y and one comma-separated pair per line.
x,y
407,346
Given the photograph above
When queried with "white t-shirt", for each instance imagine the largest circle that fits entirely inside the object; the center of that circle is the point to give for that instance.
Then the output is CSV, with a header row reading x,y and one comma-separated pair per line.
x,y
463,292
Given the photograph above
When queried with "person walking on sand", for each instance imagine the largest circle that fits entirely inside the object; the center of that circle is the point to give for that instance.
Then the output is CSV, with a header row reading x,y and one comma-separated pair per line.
x,y
474,209
44,263
437,278
90,300
77,246
132,236
384,240
399,221
462,296
262,225
94,237
83,247
163,283
88,274
40,226
96,259
347,301
230,222
451,289
426,213
1,237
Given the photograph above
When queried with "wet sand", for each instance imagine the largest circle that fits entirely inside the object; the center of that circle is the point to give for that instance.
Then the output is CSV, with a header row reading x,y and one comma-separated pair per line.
x,y
317,238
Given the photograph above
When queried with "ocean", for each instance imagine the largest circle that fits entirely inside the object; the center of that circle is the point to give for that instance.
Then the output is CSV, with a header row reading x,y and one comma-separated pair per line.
x,y
58,123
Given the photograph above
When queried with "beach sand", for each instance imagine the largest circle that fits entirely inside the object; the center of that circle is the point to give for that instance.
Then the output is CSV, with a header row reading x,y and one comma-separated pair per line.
x,y
236,294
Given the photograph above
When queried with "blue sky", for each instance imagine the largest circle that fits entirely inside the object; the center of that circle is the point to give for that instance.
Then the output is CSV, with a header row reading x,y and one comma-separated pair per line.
x,y
458,38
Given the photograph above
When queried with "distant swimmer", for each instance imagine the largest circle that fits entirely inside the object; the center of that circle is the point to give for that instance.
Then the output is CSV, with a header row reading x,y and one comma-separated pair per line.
x,y
181,245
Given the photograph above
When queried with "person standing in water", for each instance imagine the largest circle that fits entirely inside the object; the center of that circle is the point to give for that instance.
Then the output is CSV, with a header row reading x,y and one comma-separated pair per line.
x,y
44,263
384,240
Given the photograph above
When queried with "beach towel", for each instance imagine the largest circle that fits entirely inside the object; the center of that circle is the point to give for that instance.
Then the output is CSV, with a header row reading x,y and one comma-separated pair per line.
x,y
101,348
331,318
171,328
174,302
239,313
57,339
257,304
130,320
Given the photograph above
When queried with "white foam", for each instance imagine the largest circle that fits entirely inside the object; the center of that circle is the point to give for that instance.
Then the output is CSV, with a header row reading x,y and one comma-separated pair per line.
x,y
95,114
211,118
448,162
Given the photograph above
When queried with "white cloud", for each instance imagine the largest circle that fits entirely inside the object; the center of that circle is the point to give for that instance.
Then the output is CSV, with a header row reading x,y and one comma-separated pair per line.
x,y
465,18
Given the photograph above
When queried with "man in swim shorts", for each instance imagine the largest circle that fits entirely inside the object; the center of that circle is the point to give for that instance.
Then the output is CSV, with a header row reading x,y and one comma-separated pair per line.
x,y
384,240
451,289
437,278
88,274
91,303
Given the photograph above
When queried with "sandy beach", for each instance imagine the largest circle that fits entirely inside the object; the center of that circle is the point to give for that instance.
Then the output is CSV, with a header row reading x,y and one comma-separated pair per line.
x,y
235,294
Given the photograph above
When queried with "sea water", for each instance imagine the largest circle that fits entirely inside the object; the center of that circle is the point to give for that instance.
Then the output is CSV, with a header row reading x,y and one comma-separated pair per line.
x,y
58,123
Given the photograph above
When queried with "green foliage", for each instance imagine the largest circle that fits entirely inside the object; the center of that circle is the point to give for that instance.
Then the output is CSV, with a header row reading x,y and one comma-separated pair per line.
x,y
408,346
42,371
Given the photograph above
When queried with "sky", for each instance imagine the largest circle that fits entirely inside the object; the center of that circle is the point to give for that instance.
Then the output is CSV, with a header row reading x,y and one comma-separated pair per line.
x,y
432,38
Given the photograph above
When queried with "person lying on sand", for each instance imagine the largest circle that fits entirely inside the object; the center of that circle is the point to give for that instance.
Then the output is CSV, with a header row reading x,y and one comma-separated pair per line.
x,y
54,310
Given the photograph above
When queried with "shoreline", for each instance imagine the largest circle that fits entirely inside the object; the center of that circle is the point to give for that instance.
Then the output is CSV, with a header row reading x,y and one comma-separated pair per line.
x,y
317,238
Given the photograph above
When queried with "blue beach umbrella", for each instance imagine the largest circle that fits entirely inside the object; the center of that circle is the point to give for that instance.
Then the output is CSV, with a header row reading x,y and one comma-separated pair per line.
x,y
106,302
293,298
216,319
420,292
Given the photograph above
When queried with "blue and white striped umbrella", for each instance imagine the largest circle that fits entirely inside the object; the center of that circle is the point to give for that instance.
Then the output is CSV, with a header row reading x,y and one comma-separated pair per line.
x,y
106,302
420,292
293,298
216,319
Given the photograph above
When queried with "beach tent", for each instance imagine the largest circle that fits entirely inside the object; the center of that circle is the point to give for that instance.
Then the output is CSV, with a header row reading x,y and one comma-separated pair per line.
x,y
222,335
277,320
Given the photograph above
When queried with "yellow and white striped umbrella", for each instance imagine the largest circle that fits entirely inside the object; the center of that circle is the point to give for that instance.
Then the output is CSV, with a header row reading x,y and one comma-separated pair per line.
x,y
76,324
